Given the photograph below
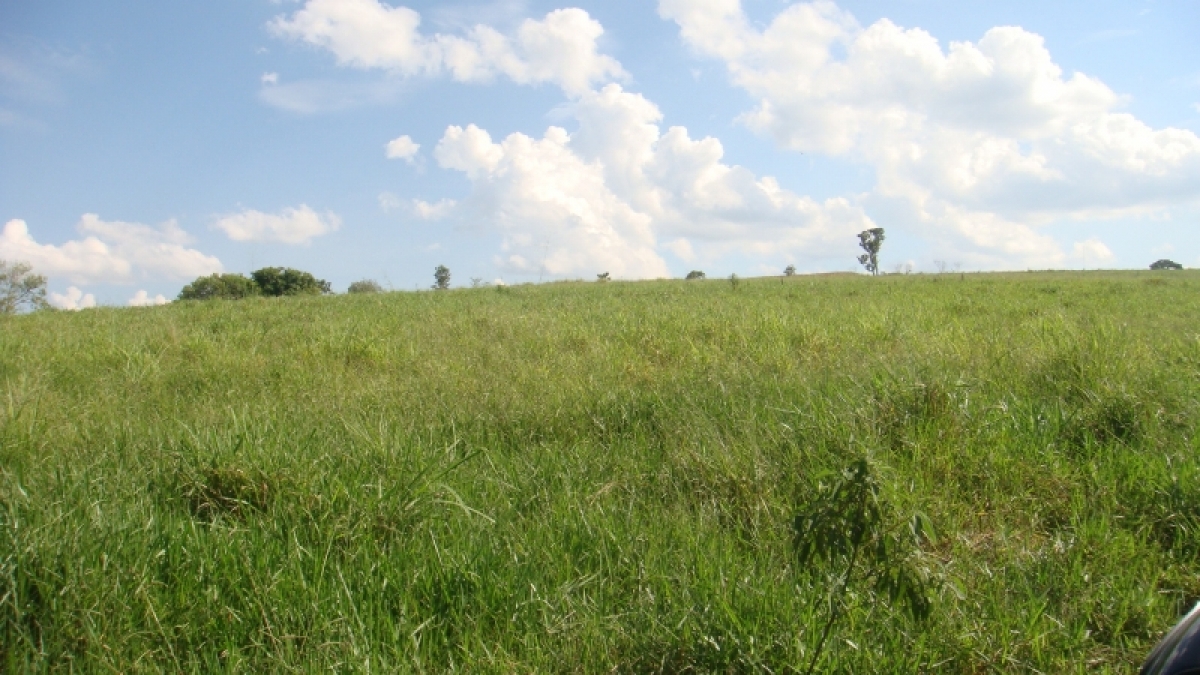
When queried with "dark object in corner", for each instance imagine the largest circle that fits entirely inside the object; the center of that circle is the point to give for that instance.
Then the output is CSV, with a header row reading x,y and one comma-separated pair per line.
x,y
1179,652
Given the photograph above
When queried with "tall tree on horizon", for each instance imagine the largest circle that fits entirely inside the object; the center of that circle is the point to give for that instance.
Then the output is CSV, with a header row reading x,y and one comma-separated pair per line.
x,y
871,241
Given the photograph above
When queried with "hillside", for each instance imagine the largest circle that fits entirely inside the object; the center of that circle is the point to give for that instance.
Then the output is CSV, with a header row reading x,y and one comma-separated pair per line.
x,y
584,477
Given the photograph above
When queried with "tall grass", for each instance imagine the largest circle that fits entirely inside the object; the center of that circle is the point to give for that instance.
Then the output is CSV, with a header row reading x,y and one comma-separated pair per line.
x,y
598,477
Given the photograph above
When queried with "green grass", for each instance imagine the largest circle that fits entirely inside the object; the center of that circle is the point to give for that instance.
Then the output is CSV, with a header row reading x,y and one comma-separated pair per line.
x,y
599,477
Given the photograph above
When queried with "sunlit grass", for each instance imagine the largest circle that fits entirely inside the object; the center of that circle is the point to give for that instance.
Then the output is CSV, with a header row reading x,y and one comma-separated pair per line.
x,y
594,477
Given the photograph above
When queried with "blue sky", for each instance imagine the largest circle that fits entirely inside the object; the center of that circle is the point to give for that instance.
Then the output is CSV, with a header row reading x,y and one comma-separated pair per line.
x,y
145,143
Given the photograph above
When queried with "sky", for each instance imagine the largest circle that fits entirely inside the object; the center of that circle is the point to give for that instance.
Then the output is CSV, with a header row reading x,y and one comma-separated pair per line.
x,y
146,143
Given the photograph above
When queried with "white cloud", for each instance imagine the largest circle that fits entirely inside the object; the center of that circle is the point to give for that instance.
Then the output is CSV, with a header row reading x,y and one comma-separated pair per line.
x,y
73,300
433,211
270,78
291,226
143,299
309,97
402,148
112,252
682,248
389,201
559,49
990,132
1092,251
601,198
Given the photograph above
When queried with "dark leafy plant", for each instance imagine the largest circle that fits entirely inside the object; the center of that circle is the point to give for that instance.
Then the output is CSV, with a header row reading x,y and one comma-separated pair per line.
x,y
871,241
850,528
441,278
280,281
695,274
20,288
219,286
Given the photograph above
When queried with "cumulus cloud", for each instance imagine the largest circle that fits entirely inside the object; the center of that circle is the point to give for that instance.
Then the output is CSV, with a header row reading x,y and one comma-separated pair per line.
x,y
402,148
1092,251
988,131
602,197
143,299
74,299
110,252
559,49
290,226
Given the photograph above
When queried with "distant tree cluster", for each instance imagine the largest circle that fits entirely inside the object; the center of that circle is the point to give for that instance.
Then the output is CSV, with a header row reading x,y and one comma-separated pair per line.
x,y
268,281
365,286
1165,264
695,274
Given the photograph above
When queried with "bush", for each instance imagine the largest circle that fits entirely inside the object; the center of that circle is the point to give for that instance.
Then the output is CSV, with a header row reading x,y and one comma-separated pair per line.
x,y
224,286
789,271
695,274
603,277
365,286
20,288
279,281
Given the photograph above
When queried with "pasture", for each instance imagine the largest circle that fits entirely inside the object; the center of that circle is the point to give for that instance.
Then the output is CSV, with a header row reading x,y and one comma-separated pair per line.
x,y
587,477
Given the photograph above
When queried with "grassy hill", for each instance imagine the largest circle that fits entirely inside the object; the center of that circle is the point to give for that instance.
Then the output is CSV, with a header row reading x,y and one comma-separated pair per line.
x,y
601,477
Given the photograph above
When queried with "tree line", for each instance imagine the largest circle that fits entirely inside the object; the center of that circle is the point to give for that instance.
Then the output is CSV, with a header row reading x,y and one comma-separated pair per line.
x,y
23,290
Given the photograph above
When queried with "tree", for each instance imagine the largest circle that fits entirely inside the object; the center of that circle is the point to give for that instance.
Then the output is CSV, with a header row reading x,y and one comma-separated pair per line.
x,y
365,286
695,274
1165,264
223,286
603,277
20,288
441,278
871,241
789,271
280,281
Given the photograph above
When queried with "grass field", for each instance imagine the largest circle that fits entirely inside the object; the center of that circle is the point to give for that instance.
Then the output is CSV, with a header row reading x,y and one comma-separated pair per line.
x,y
600,477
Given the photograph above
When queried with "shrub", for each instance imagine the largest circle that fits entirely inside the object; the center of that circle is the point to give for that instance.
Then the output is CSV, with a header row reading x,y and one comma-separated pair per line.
x,y
20,288
695,274
603,277
852,529
365,286
789,271
224,286
279,281
1165,264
